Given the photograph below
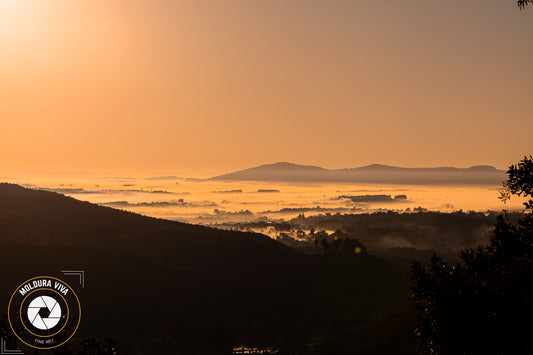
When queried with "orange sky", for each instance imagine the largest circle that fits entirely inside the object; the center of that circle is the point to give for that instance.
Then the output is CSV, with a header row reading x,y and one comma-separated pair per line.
x,y
203,87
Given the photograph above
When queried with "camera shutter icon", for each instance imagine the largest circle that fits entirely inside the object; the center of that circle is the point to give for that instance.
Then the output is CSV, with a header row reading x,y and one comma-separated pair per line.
x,y
44,312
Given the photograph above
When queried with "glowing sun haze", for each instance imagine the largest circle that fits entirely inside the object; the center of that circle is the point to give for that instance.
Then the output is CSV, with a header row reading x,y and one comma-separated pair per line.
x,y
204,87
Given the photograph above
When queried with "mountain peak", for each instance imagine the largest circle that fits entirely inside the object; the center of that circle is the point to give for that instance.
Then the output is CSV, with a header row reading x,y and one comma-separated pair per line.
x,y
284,165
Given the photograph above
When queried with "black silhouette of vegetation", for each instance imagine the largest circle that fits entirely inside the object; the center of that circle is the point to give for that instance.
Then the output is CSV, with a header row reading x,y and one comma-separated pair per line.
x,y
339,243
484,304
523,3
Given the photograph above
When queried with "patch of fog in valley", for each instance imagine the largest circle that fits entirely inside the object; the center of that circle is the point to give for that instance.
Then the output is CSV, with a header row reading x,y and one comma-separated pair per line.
x,y
204,202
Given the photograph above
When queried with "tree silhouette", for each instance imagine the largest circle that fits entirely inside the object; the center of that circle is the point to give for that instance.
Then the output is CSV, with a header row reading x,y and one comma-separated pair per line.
x,y
523,3
483,305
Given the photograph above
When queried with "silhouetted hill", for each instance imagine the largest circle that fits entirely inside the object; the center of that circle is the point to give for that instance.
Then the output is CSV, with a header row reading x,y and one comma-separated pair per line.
x,y
278,172
376,173
47,218
166,287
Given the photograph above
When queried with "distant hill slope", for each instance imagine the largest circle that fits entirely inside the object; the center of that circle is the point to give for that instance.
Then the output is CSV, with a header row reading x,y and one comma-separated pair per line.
x,y
166,287
43,218
288,172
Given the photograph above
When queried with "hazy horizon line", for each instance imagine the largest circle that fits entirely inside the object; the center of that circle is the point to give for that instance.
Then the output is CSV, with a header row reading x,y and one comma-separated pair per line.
x,y
205,174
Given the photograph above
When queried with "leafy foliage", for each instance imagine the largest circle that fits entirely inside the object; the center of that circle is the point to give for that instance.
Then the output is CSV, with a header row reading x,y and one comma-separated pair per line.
x,y
523,3
520,181
484,304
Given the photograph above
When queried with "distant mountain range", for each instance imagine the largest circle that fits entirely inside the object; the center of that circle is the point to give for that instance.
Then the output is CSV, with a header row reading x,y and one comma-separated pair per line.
x,y
375,173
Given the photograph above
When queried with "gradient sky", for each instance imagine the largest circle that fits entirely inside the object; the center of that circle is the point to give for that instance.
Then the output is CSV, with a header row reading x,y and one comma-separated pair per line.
x,y
203,87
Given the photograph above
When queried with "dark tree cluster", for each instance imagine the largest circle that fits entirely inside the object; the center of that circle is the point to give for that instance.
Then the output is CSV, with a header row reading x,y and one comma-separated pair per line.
x,y
341,244
523,3
484,304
